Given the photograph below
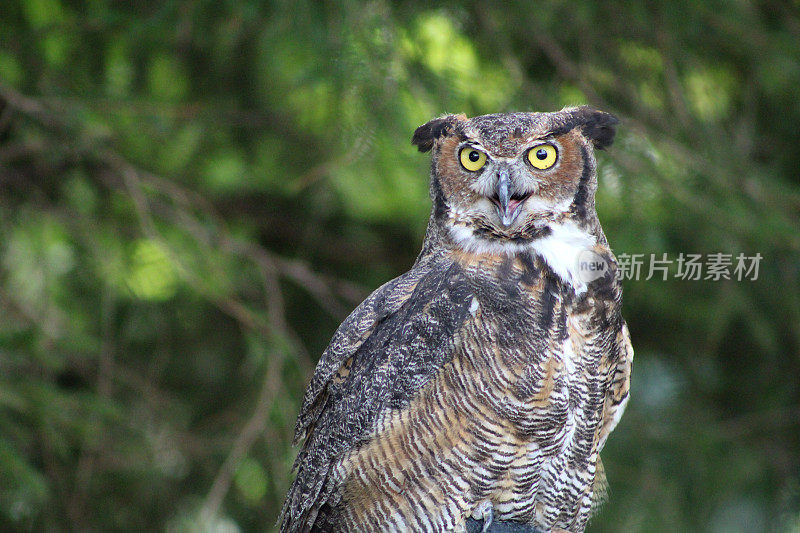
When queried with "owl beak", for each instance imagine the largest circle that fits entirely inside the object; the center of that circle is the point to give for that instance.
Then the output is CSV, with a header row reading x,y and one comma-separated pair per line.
x,y
507,216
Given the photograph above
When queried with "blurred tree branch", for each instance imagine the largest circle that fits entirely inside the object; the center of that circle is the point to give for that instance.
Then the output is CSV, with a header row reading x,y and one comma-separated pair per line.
x,y
184,207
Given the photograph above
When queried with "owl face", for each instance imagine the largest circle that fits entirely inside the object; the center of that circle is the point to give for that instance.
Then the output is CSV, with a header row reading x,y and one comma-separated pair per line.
x,y
501,182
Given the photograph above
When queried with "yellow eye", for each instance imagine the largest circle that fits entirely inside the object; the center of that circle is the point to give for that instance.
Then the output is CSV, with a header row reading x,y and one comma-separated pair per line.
x,y
472,159
543,156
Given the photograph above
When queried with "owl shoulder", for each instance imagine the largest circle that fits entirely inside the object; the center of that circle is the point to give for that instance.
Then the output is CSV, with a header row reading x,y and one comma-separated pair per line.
x,y
381,355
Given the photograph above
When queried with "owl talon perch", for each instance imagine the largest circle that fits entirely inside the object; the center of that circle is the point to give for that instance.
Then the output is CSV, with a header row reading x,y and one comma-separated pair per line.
x,y
411,395
498,526
487,520
484,511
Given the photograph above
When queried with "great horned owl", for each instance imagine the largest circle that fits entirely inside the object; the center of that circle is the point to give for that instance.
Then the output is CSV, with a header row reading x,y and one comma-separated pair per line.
x,y
483,383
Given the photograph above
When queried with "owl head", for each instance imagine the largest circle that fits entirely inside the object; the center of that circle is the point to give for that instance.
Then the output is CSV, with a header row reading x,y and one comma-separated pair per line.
x,y
503,183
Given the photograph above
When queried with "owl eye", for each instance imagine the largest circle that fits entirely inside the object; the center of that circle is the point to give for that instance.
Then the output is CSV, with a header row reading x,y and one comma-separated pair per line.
x,y
472,159
543,156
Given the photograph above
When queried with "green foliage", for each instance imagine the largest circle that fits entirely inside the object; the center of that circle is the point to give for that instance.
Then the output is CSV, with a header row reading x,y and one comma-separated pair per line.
x,y
194,194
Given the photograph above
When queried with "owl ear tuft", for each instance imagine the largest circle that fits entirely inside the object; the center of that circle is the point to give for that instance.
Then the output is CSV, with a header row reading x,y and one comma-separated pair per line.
x,y
597,126
426,135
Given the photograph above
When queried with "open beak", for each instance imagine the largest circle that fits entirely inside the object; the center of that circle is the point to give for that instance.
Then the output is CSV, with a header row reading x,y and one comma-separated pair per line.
x,y
507,205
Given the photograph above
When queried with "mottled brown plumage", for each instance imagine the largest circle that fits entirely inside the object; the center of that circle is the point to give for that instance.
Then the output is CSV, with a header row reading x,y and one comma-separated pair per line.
x,y
485,381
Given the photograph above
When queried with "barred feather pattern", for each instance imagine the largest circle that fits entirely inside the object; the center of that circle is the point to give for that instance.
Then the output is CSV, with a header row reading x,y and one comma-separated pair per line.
x,y
514,417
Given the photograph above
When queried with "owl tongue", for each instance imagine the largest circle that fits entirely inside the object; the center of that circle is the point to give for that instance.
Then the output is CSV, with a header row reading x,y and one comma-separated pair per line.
x,y
513,203
509,214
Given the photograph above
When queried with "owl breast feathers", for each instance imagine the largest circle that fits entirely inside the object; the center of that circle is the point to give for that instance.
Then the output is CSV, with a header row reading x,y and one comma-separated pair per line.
x,y
480,386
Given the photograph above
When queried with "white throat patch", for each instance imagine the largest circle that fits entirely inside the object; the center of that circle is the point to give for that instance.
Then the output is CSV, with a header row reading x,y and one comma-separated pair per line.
x,y
561,249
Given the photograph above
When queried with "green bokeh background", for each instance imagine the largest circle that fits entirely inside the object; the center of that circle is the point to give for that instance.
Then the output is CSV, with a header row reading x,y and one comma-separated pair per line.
x,y
193,194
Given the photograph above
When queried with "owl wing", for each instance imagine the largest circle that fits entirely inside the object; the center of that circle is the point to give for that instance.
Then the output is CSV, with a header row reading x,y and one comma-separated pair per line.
x,y
619,385
615,401
384,352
